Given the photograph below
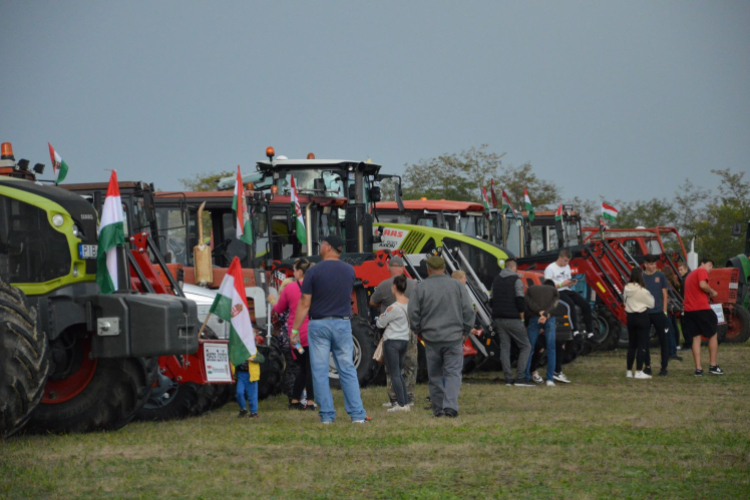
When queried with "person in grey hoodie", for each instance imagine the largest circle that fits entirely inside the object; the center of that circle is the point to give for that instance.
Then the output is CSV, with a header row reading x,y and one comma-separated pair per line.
x,y
441,313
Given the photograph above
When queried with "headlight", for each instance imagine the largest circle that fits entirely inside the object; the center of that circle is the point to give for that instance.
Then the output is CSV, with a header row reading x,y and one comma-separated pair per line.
x,y
57,220
75,230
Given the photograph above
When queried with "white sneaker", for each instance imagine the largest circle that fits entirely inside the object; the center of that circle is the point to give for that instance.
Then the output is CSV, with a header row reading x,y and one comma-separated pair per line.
x,y
628,374
550,383
679,347
536,378
560,377
396,408
388,404
642,376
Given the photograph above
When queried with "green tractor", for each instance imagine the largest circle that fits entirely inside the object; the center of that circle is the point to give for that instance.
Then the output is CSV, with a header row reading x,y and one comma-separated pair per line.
x,y
72,359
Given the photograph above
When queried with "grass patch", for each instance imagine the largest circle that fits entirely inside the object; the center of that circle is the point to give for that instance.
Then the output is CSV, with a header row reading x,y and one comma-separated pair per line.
x,y
602,436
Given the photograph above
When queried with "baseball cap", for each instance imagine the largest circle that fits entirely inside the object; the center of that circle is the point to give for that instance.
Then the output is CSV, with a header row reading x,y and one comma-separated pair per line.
x,y
335,242
435,263
396,262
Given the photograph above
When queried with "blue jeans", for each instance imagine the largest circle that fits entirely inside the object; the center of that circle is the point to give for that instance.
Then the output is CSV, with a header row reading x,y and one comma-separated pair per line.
x,y
549,334
246,389
327,336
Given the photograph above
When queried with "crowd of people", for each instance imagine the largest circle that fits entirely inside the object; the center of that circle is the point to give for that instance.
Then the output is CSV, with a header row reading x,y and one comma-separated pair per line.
x,y
316,306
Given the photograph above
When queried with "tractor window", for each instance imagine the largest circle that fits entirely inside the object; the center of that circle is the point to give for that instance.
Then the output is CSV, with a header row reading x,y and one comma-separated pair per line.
x,y
513,242
281,238
426,221
173,235
468,226
259,216
31,250
451,222
633,248
234,247
393,218
537,239
485,264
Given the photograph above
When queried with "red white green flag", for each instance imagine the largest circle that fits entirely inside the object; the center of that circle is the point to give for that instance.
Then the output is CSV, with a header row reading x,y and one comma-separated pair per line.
x,y
59,167
506,202
230,305
300,221
485,202
244,229
558,213
527,205
492,192
609,213
111,234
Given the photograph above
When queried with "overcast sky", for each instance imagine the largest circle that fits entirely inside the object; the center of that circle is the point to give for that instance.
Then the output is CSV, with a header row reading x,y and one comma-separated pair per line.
x,y
622,99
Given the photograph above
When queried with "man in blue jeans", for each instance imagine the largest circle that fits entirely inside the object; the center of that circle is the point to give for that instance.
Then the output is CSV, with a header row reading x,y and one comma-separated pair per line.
x,y
541,301
326,297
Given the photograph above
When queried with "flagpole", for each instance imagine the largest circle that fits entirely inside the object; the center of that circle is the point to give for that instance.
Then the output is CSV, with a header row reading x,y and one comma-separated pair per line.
x,y
203,326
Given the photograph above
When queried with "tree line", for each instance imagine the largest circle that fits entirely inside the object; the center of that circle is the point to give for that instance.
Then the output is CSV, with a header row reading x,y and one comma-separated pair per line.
x,y
696,212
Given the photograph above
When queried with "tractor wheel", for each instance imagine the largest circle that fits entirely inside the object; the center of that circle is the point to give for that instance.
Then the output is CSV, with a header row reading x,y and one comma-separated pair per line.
x,y
206,395
738,323
611,340
271,371
225,394
569,352
169,400
85,395
363,337
24,360
290,374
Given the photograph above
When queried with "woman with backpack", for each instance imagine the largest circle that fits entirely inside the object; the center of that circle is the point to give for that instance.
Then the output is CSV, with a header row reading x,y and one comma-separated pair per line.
x,y
638,300
288,300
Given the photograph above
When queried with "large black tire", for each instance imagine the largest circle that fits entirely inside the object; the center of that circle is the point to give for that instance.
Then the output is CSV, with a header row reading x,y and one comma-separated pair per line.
x,y
118,388
363,335
206,395
224,395
609,341
24,360
290,374
169,401
271,370
738,325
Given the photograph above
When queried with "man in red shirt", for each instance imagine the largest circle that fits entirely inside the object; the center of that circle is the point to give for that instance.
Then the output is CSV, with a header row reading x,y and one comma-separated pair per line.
x,y
700,319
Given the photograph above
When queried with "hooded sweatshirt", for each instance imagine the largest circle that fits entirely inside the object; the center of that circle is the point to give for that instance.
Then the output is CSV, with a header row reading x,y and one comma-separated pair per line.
x,y
440,310
637,298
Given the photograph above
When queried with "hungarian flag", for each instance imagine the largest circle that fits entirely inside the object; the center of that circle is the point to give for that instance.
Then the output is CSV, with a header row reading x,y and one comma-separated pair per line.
x,y
558,213
59,167
230,305
239,205
609,212
111,234
506,202
300,226
527,205
492,192
486,202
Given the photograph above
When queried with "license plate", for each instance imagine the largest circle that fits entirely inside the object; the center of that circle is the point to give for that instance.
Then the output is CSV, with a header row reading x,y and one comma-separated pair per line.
x,y
87,252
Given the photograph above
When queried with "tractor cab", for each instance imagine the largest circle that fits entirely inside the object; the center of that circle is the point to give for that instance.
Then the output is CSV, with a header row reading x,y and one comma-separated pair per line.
x,y
461,216
639,242
548,233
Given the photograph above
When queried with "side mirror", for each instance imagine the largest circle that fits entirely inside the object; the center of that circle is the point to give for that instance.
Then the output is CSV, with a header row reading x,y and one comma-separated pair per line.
x,y
376,194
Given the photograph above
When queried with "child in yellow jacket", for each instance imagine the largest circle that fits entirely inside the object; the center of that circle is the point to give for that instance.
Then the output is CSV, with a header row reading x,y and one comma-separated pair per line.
x,y
247,375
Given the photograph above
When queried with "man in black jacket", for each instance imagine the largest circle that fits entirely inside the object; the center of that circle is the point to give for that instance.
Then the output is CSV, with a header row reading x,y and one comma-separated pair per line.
x,y
507,318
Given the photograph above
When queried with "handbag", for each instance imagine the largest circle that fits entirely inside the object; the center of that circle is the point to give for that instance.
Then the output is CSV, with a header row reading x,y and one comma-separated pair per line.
x,y
378,356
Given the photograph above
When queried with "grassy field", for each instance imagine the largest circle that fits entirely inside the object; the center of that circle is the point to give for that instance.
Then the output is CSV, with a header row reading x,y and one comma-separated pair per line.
x,y
602,436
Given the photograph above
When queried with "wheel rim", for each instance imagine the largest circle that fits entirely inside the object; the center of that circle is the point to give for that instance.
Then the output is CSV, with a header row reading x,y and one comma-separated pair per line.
x,y
163,393
58,391
734,325
357,351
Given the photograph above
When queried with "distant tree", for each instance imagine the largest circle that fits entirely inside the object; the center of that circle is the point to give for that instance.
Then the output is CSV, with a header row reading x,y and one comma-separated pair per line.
x,y
689,205
650,213
589,210
543,194
713,230
204,181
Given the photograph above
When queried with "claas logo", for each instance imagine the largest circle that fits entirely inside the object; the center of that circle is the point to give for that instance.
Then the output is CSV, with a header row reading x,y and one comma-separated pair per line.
x,y
393,232
236,310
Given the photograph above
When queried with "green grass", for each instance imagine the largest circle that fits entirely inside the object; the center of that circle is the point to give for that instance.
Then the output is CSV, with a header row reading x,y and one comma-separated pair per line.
x,y
601,437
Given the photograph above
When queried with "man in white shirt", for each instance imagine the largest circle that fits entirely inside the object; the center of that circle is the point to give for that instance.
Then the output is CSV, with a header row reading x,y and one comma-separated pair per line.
x,y
559,272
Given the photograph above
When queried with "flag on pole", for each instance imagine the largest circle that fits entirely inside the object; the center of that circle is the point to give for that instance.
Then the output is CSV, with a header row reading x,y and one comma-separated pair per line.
x,y
527,205
59,167
486,202
230,305
300,225
506,202
492,192
239,205
558,213
111,234
609,212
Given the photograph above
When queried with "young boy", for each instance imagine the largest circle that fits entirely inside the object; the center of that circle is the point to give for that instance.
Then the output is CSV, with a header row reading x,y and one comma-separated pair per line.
x,y
247,375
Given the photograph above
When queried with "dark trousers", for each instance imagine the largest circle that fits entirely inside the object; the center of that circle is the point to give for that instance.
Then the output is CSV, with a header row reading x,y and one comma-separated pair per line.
x,y
559,353
639,329
304,380
444,364
574,299
394,353
659,322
